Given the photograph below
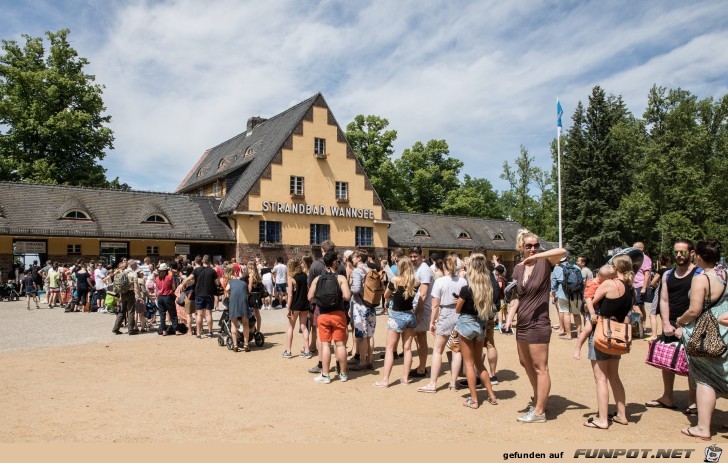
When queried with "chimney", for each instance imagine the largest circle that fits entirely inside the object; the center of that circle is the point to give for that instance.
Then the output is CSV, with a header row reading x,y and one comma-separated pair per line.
x,y
255,121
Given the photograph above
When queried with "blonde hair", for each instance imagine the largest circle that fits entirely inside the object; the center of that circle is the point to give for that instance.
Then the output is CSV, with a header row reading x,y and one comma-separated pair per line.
x,y
253,272
451,264
406,277
623,264
607,272
229,272
293,267
522,236
478,277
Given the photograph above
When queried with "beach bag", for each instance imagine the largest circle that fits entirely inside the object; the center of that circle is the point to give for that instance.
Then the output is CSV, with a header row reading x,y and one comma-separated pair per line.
x,y
706,341
327,291
669,356
373,289
110,299
453,342
573,282
612,337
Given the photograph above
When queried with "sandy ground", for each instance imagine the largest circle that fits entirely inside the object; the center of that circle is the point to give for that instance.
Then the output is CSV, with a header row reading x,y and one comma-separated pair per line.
x,y
83,384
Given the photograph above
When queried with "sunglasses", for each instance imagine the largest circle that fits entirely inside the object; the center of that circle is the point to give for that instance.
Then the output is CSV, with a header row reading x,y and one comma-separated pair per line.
x,y
680,253
530,246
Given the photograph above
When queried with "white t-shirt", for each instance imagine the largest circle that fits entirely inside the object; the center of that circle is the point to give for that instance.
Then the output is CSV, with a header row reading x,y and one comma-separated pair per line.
x,y
99,275
424,276
444,287
280,271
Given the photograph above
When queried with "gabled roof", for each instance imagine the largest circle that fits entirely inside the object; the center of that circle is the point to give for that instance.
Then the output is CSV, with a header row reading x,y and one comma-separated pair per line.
x,y
444,231
36,210
264,144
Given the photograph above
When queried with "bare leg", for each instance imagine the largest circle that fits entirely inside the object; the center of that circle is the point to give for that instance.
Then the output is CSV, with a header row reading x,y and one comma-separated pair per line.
x,y
540,358
524,357
600,378
421,351
466,349
620,397
437,351
392,340
482,371
235,325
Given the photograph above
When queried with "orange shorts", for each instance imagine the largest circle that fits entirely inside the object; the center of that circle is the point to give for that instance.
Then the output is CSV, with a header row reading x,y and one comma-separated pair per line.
x,y
332,326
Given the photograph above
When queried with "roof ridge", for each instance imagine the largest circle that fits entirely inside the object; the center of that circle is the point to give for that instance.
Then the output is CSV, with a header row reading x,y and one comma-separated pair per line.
x,y
90,188
455,216
265,121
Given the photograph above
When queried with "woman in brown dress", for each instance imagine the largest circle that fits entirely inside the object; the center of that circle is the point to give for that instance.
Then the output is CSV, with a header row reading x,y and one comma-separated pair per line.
x,y
533,326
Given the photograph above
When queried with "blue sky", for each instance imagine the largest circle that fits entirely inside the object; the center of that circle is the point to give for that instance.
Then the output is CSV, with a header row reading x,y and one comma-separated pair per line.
x,y
182,76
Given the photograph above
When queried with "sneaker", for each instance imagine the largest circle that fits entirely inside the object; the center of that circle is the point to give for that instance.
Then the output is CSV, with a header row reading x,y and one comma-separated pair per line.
x,y
116,331
494,380
306,355
497,327
316,369
343,377
463,383
322,379
532,417
286,354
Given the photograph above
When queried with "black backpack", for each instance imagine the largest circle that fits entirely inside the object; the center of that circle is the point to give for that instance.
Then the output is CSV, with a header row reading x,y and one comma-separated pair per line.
x,y
328,293
573,282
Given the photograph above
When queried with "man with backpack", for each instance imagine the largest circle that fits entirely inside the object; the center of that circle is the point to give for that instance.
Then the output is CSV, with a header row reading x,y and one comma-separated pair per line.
x,y
124,282
330,291
366,294
567,292
317,268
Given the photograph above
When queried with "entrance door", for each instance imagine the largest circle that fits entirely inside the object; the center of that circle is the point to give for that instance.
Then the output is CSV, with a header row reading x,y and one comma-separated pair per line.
x,y
28,251
113,251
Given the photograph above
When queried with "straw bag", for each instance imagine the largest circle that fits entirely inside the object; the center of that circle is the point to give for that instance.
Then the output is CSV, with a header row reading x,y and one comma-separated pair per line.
x,y
612,337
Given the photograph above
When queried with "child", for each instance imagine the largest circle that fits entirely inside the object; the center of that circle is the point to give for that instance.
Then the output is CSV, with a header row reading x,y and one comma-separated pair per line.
x,y
28,287
606,272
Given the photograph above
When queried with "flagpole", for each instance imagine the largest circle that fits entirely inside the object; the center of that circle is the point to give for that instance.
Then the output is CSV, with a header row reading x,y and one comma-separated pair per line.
x,y
558,161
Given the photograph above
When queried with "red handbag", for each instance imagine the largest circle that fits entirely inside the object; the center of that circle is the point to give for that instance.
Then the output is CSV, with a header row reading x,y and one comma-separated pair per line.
x,y
667,356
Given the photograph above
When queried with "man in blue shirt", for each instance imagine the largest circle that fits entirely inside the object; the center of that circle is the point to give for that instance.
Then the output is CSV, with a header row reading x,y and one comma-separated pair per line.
x,y
566,305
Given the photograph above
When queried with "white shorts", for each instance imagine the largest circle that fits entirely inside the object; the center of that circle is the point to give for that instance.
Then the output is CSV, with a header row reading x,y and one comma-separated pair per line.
x,y
567,306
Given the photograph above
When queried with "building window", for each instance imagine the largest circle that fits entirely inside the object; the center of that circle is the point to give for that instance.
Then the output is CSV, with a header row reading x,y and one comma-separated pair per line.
x,y
270,232
221,164
319,233
464,236
74,249
248,152
156,218
152,250
364,236
498,237
296,186
342,191
422,233
76,215
216,190
319,147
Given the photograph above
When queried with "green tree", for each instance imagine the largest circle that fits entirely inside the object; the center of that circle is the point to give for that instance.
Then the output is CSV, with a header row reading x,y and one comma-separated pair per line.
x,y
517,202
596,174
426,175
474,198
373,145
52,126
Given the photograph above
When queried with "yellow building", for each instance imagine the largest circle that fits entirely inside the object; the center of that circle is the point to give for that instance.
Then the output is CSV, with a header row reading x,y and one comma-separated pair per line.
x,y
289,183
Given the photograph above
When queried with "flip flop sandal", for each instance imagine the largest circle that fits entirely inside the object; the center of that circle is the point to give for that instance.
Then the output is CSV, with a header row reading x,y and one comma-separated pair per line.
x,y
691,411
493,400
428,389
611,417
591,424
380,385
659,404
470,403
687,432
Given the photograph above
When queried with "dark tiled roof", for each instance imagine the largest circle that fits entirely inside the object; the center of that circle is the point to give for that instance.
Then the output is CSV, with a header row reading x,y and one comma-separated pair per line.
x,y
262,143
35,210
444,230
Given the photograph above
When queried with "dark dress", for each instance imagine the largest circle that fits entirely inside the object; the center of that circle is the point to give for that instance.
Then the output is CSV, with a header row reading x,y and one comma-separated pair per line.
x,y
533,325
238,298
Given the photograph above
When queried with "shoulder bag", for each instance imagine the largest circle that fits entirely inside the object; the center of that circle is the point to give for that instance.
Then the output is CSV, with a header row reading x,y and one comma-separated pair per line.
x,y
706,340
612,337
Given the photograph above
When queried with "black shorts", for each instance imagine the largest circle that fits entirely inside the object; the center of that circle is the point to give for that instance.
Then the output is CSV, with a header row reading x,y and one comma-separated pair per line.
x,y
82,294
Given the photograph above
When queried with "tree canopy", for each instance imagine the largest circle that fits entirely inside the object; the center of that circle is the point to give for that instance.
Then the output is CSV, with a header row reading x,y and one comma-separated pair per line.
x,y
52,123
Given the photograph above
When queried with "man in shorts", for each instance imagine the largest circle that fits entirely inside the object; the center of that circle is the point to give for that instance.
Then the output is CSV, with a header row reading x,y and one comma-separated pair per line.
x,y
280,280
423,309
205,279
332,324
318,267
567,306
27,286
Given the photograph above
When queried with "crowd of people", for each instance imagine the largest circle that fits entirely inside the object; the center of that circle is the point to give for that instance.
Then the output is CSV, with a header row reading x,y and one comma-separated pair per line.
x,y
460,303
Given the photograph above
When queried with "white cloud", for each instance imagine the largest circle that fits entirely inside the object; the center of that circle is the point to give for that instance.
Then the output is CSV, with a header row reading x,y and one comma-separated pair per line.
x,y
182,76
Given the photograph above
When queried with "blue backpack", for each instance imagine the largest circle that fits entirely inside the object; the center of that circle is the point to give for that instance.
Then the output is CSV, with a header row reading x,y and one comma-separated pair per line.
x,y
573,281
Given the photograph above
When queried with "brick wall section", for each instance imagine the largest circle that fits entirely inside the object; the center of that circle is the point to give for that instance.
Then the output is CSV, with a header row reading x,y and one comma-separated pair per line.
x,y
6,263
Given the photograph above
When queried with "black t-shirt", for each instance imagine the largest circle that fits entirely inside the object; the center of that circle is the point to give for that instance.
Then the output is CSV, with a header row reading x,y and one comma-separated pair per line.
x,y
205,281
400,303
300,295
264,270
468,302
28,283
82,280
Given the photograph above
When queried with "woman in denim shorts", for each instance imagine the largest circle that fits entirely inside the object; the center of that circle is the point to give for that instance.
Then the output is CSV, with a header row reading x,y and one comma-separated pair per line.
x,y
475,306
401,290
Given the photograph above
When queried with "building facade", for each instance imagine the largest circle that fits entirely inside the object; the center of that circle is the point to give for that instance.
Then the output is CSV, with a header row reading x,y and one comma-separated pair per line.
x,y
280,188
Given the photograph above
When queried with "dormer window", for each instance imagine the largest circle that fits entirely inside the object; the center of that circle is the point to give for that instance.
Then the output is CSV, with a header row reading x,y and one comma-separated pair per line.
x,y
156,218
422,233
249,151
498,237
464,236
221,164
76,214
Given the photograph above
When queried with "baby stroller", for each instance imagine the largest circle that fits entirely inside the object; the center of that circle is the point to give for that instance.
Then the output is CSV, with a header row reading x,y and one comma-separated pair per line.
x,y
9,292
225,338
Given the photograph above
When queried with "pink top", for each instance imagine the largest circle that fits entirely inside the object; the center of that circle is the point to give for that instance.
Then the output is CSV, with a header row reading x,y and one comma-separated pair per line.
x,y
639,277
